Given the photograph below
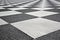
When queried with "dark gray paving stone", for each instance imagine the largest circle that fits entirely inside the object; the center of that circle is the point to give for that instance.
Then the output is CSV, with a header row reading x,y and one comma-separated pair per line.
x,y
3,10
18,17
27,10
51,36
55,17
8,32
11,7
53,10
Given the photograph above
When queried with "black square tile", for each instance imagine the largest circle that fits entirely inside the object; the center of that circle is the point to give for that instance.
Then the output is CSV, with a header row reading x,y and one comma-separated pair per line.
x,y
55,17
57,6
32,7
53,10
10,7
51,36
1,10
49,6
18,17
9,32
27,10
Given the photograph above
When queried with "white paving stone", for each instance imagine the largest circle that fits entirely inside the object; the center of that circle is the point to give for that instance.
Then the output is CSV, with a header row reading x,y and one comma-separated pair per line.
x,y
1,8
41,13
41,8
9,13
37,27
2,22
17,8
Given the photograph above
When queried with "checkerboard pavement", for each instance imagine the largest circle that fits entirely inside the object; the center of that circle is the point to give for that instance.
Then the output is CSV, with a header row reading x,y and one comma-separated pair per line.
x,y
26,22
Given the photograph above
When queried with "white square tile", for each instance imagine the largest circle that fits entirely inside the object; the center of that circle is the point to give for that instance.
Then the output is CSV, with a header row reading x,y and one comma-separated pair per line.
x,y
41,8
17,8
37,27
9,13
8,6
1,8
2,22
41,13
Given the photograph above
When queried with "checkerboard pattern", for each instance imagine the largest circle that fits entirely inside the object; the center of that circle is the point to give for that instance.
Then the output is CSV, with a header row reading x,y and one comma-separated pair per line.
x,y
27,21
